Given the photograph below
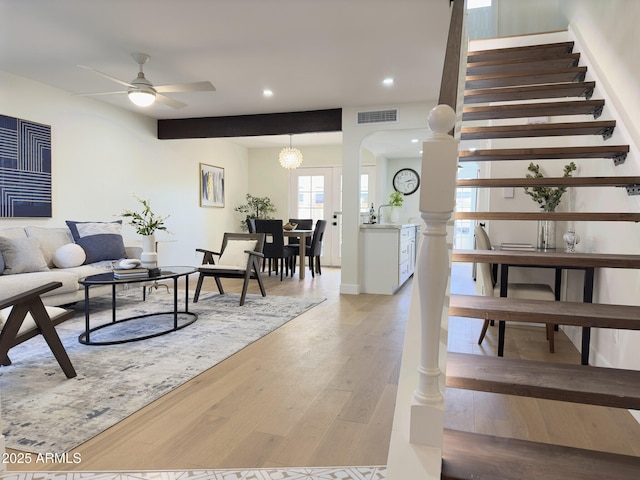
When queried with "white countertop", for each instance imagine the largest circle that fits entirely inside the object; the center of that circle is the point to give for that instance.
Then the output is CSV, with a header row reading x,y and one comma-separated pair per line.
x,y
396,226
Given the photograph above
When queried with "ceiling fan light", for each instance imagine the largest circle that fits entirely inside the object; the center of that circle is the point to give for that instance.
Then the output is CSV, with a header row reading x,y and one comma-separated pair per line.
x,y
142,98
290,158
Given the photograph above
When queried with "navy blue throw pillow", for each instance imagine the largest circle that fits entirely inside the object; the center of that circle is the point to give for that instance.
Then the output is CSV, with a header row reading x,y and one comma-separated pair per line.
x,y
99,240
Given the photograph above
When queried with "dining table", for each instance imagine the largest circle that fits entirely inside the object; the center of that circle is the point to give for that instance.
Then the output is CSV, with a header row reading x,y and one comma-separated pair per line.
x,y
557,259
302,253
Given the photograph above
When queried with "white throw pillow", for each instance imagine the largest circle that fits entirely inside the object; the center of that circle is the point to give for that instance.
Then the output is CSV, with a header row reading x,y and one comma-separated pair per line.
x,y
69,255
234,255
22,255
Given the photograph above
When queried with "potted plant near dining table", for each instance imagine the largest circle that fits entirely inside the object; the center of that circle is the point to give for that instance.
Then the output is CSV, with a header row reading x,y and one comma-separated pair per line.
x,y
548,198
146,224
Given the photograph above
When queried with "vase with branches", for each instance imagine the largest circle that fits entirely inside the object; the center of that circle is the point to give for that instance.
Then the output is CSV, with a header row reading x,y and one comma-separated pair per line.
x,y
547,197
146,224
255,207
145,221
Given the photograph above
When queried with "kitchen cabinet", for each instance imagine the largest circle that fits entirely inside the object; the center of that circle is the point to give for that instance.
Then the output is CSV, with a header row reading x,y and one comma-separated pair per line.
x,y
388,256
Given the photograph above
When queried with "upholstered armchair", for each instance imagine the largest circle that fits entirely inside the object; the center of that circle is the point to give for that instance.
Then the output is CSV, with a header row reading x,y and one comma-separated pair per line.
x,y
239,257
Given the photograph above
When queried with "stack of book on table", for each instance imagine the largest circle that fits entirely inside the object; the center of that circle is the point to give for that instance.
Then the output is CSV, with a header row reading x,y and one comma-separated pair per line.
x,y
517,246
121,273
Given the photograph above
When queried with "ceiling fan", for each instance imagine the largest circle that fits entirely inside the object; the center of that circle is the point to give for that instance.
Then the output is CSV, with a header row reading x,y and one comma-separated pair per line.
x,y
143,93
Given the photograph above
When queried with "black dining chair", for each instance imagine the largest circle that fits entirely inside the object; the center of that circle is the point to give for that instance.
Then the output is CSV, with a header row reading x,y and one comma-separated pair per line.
x,y
314,250
274,247
302,224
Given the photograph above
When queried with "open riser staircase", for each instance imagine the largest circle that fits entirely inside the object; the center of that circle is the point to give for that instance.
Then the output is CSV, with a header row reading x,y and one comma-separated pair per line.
x,y
519,83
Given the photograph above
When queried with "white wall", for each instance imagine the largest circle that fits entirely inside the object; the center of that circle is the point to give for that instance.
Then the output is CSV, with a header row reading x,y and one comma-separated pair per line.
x,y
410,116
268,178
608,33
101,154
605,33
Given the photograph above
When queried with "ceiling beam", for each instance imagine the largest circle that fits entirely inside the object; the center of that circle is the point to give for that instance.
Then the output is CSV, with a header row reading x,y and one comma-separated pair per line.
x,y
251,125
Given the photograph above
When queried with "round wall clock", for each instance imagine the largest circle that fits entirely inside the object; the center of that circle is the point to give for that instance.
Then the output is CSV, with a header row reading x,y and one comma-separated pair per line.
x,y
406,180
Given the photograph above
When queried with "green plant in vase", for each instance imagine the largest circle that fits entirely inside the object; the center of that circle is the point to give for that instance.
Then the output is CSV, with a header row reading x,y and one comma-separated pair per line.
x,y
145,221
547,197
396,199
256,207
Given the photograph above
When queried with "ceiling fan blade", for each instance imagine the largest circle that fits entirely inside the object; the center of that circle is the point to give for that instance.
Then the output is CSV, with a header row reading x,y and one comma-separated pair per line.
x,y
106,75
96,94
170,102
186,87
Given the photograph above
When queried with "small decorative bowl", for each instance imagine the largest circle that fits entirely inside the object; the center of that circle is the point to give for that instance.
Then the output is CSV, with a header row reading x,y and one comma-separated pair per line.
x,y
290,226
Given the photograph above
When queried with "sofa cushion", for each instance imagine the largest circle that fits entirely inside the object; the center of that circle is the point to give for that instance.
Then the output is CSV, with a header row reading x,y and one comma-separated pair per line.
x,y
50,240
22,255
99,240
11,232
69,255
11,285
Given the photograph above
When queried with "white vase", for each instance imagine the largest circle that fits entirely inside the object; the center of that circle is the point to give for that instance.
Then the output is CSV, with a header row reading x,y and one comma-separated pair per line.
x,y
149,256
394,215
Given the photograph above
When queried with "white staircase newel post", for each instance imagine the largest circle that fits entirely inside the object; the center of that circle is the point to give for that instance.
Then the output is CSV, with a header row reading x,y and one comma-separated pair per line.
x,y
437,202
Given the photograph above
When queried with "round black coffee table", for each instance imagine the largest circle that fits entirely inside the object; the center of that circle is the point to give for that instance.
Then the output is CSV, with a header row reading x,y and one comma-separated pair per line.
x,y
181,318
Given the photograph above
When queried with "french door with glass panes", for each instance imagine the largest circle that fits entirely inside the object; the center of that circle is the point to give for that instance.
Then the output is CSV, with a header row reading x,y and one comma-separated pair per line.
x,y
316,193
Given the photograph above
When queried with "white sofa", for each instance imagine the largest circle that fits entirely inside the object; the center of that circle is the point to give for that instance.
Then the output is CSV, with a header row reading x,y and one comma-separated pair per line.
x,y
28,270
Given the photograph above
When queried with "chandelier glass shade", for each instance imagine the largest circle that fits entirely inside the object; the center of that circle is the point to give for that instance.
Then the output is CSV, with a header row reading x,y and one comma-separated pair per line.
x,y
290,157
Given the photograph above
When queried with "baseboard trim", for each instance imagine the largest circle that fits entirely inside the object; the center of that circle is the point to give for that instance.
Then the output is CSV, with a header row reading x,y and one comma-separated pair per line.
x,y
349,289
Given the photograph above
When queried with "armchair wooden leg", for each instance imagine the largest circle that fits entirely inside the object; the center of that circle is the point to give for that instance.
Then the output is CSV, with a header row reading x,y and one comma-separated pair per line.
x,y
42,320
196,296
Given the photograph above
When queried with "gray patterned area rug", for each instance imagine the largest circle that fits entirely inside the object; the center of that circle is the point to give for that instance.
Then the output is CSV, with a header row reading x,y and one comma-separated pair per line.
x,y
43,411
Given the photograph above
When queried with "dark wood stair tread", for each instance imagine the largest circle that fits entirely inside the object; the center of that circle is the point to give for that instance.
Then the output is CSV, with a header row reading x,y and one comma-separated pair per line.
x,y
604,128
476,456
523,64
600,315
531,110
550,182
529,51
538,77
529,92
550,259
609,387
560,153
558,216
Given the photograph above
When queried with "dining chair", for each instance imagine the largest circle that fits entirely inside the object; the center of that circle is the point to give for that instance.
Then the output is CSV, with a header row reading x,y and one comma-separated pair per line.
x,y
303,224
314,249
239,257
489,288
274,247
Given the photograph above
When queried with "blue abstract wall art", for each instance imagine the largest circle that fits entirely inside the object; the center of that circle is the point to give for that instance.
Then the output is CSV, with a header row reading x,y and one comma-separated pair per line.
x,y
25,168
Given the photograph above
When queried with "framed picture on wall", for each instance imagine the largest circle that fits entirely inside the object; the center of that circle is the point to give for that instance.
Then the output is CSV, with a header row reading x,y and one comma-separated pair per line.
x,y
211,186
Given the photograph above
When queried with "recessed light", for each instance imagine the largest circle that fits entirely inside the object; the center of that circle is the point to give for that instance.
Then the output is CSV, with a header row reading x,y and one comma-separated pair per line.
x,y
267,93
414,140
388,81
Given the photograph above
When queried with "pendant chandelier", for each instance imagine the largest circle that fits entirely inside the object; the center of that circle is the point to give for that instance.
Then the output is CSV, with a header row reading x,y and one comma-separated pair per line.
x,y
290,157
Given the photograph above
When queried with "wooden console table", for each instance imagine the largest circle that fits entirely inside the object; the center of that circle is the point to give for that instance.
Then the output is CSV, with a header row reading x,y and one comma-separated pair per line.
x,y
557,259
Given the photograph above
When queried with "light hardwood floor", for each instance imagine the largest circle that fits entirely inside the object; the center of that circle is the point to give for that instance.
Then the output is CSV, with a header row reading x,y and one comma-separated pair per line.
x,y
320,391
